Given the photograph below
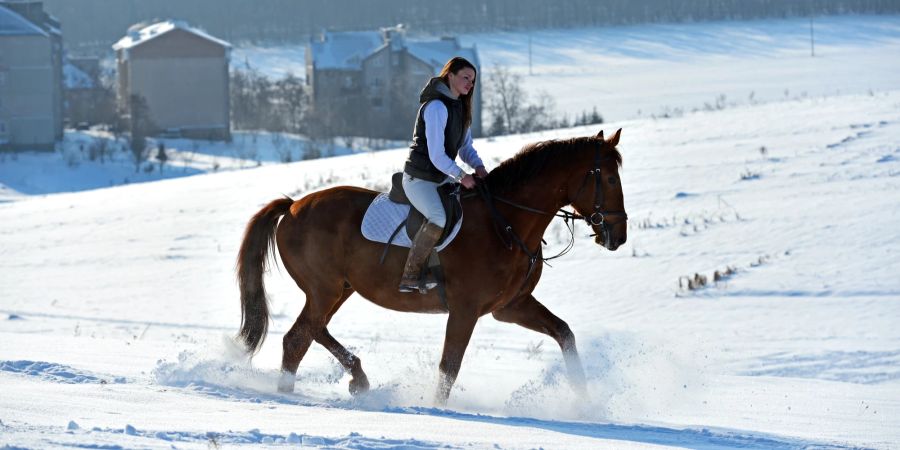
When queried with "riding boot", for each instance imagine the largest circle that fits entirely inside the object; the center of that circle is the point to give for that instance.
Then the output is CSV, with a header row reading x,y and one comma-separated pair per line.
x,y
422,245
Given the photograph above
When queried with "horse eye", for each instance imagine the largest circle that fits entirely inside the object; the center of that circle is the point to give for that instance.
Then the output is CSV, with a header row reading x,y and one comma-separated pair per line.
x,y
612,180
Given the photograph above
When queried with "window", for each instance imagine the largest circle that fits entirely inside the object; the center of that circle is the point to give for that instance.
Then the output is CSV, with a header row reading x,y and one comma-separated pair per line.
x,y
377,102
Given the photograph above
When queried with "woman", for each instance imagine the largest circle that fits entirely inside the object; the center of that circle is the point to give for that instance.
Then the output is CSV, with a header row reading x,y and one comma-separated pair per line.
x,y
442,133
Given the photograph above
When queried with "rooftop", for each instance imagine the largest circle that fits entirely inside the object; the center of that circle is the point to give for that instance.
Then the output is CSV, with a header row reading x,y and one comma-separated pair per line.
x,y
13,24
142,35
344,50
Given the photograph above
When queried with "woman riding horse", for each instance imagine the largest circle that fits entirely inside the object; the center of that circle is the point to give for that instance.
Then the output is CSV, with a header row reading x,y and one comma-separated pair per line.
x,y
443,130
323,250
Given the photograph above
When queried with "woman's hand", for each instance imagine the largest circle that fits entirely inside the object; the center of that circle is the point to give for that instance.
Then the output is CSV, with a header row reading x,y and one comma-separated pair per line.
x,y
481,172
468,181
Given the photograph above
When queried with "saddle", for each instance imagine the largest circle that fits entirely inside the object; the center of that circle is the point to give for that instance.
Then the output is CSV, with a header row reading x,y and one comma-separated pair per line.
x,y
391,212
449,194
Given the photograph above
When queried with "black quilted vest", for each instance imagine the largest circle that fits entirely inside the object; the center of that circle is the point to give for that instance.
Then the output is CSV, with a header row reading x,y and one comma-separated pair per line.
x,y
418,164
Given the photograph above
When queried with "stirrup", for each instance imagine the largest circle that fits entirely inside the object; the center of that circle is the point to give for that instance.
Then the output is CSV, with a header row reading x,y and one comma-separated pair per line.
x,y
422,285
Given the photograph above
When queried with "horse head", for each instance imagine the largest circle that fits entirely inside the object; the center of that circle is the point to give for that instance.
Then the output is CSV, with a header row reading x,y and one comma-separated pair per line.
x,y
598,195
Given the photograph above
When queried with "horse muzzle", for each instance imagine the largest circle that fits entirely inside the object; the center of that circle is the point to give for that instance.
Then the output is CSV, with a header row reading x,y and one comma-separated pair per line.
x,y
610,240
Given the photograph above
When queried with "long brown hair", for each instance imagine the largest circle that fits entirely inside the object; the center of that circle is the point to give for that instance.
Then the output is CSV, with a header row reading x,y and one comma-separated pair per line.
x,y
456,64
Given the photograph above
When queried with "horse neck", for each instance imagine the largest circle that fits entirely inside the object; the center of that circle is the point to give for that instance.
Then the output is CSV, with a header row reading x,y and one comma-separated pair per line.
x,y
550,190
547,194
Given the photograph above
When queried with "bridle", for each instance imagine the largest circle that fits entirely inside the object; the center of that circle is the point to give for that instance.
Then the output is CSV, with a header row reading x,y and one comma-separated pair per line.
x,y
597,218
599,215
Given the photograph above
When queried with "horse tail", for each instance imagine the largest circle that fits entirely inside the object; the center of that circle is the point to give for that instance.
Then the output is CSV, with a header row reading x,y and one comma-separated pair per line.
x,y
259,239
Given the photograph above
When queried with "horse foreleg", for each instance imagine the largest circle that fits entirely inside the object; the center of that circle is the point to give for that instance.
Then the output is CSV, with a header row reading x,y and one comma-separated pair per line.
x,y
351,363
531,314
459,330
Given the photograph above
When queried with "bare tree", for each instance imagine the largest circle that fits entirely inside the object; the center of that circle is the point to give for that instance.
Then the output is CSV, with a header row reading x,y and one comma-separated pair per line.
x,y
292,96
510,109
141,126
539,115
505,98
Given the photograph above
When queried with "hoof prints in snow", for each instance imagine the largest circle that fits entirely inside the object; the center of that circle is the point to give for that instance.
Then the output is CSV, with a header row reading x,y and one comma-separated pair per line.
x,y
58,373
215,440
851,367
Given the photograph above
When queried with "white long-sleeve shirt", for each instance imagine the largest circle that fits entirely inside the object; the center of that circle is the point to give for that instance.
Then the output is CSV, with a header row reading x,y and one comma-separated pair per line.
x,y
435,116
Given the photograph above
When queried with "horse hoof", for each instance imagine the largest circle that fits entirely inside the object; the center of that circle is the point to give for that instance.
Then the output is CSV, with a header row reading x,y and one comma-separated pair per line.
x,y
359,386
286,382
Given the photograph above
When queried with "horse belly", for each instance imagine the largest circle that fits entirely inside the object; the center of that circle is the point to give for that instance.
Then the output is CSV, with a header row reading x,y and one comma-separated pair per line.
x,y
379,283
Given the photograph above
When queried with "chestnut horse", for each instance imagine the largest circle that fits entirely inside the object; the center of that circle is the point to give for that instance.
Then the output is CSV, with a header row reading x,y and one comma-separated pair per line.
x,y
323,250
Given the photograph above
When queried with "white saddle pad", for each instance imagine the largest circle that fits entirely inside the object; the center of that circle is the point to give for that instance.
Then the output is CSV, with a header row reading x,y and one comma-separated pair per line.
x,y
384,216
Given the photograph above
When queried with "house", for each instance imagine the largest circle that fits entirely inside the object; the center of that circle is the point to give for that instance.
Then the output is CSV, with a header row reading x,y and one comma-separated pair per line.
x,y
368,83
87,101
31,92
180,74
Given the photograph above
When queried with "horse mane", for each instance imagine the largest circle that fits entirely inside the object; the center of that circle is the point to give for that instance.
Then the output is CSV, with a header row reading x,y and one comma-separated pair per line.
x,y
534,157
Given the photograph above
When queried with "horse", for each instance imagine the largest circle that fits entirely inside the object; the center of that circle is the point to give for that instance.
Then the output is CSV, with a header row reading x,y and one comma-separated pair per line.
x,y
321,247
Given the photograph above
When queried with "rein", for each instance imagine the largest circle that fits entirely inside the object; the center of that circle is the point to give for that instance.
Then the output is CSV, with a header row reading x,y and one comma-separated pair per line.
x,y
597,218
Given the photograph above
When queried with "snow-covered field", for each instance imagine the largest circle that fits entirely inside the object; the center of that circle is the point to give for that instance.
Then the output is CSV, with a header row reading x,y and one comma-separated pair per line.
x,y
117,305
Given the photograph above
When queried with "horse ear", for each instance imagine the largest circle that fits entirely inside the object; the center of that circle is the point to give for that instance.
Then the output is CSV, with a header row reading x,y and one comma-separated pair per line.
x,y
614,141
600,134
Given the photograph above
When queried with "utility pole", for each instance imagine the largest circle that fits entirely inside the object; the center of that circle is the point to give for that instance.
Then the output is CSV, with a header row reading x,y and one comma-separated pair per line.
x,y
812,38
529,54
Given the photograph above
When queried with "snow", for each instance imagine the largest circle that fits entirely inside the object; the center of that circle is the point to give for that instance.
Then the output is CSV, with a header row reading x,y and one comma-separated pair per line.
x,y
347,51
436,53
75,78
118,304
72,169
344,51
142,35
678,67
684,67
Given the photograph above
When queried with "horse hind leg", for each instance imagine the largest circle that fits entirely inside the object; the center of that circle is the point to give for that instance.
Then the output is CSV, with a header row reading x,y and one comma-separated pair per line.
x,y
296,343
529,313
308,327
359,383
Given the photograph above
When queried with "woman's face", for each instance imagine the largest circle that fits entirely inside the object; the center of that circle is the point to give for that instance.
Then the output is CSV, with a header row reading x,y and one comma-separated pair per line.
x,y
462,82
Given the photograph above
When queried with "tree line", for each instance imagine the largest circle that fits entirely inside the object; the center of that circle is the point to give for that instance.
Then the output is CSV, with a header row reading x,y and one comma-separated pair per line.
x,y
96,24
259,102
